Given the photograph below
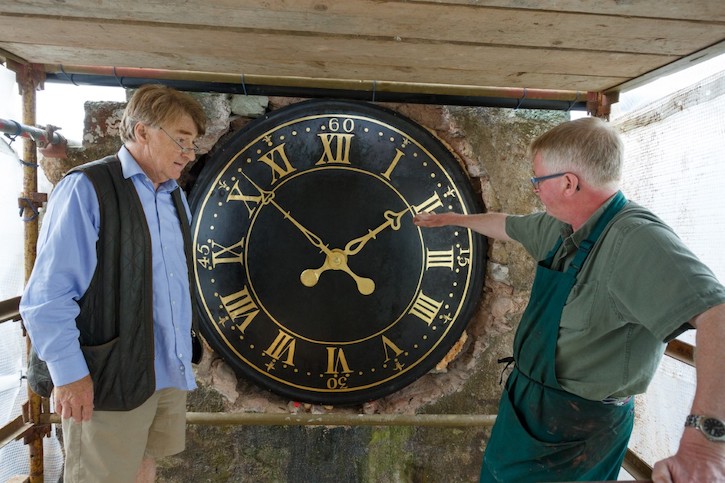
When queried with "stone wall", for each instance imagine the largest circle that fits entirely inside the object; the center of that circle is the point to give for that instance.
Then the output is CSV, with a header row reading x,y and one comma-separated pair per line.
x,y
492,143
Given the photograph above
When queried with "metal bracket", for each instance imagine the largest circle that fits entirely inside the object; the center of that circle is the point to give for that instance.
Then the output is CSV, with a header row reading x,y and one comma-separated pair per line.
x,y
33,202
599,104
54,150
41,428
28,75
24,427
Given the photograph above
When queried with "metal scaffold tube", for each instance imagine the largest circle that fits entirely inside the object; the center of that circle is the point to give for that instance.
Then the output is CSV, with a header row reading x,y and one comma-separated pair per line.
x,y
355,89
331,419
42,137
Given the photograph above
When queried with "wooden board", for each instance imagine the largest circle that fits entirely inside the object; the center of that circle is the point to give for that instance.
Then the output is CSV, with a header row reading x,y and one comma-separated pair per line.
x,y
578,45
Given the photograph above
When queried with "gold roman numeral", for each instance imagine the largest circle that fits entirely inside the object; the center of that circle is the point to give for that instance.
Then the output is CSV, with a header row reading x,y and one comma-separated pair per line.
x,y
235,194
277,160
388,344
429,205
425,308
439,258
398,154
282,344
240,305
221,254
336,361
336,148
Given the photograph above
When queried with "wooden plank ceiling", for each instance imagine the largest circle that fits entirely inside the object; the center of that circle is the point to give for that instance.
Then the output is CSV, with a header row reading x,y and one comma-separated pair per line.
x,y
561,45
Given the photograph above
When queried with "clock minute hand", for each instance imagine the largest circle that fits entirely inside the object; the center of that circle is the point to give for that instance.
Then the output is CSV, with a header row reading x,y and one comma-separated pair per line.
x,y
268,198
392,220
311,237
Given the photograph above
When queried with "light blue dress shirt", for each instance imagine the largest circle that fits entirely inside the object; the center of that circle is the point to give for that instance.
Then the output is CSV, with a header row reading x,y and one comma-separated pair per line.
x,y
65,265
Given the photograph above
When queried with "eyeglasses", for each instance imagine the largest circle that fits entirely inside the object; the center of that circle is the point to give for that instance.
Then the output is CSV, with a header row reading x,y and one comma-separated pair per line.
x,y
184,150
535,181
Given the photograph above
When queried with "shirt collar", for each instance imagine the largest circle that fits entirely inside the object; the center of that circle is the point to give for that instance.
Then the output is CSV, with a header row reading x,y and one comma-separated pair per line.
x,y
586,229
131,168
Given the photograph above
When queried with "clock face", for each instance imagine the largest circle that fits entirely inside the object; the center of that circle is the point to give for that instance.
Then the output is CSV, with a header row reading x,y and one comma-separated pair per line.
x,y
714,427
312,279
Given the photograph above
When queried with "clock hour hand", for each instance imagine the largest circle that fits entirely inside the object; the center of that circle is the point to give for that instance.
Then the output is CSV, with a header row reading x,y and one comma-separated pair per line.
x,y
336,260
392,220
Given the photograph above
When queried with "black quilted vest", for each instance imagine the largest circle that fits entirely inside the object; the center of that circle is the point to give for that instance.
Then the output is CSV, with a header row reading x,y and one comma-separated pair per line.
x,y
116,318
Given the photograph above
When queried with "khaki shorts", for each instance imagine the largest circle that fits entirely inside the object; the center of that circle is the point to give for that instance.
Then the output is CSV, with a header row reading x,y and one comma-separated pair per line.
x,y
110,447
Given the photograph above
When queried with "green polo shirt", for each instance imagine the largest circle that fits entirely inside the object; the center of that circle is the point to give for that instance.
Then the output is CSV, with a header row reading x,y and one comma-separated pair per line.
x,y
638,288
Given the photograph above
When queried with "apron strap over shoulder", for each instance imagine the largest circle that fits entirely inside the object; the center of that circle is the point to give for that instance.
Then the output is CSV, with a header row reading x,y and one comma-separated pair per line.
x,y
586,246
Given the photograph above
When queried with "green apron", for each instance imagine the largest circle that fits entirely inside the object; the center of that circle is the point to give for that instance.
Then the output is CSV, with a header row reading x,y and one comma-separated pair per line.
x,y
542,432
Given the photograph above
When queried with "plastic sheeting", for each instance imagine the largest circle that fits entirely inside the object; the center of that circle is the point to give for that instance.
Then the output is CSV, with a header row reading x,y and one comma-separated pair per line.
x,y
14,457
674,151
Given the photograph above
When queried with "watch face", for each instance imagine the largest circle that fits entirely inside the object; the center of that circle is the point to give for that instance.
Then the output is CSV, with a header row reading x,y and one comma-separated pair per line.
x,y
713,427
312,279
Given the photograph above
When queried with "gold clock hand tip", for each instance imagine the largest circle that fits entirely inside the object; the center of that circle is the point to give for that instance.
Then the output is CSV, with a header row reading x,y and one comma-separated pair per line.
x,y
310,277
365,286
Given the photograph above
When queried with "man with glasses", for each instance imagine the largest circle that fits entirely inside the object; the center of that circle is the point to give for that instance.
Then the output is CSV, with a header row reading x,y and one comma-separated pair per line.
x,y
108,305
612,286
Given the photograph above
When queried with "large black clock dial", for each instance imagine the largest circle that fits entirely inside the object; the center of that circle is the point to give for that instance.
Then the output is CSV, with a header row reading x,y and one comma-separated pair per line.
x,y
312,279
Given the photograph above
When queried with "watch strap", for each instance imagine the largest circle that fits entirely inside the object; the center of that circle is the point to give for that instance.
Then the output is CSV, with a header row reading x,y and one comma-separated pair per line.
x,y
692,420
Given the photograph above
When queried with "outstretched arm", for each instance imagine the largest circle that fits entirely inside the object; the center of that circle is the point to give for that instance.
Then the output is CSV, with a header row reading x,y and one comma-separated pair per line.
x,y
492,225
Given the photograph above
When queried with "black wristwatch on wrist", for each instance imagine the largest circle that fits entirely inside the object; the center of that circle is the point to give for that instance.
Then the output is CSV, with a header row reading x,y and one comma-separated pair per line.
x,y
712,428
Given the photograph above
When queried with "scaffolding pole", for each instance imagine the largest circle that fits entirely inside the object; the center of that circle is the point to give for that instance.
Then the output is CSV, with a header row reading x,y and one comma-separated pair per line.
x,y
329,419
28,82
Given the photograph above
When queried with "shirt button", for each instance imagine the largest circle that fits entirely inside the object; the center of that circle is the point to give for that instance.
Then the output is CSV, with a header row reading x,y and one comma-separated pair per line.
x,y
180,356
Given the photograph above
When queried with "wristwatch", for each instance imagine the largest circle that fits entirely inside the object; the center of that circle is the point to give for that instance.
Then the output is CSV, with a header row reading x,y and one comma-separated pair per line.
x,y
712,428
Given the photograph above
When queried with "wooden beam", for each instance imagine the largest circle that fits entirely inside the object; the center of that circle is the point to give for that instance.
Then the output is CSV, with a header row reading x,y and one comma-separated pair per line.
x,y
691,10
678,65
14,430
681,351
392,22
636,466
9,309
496,77
6,56
323,57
